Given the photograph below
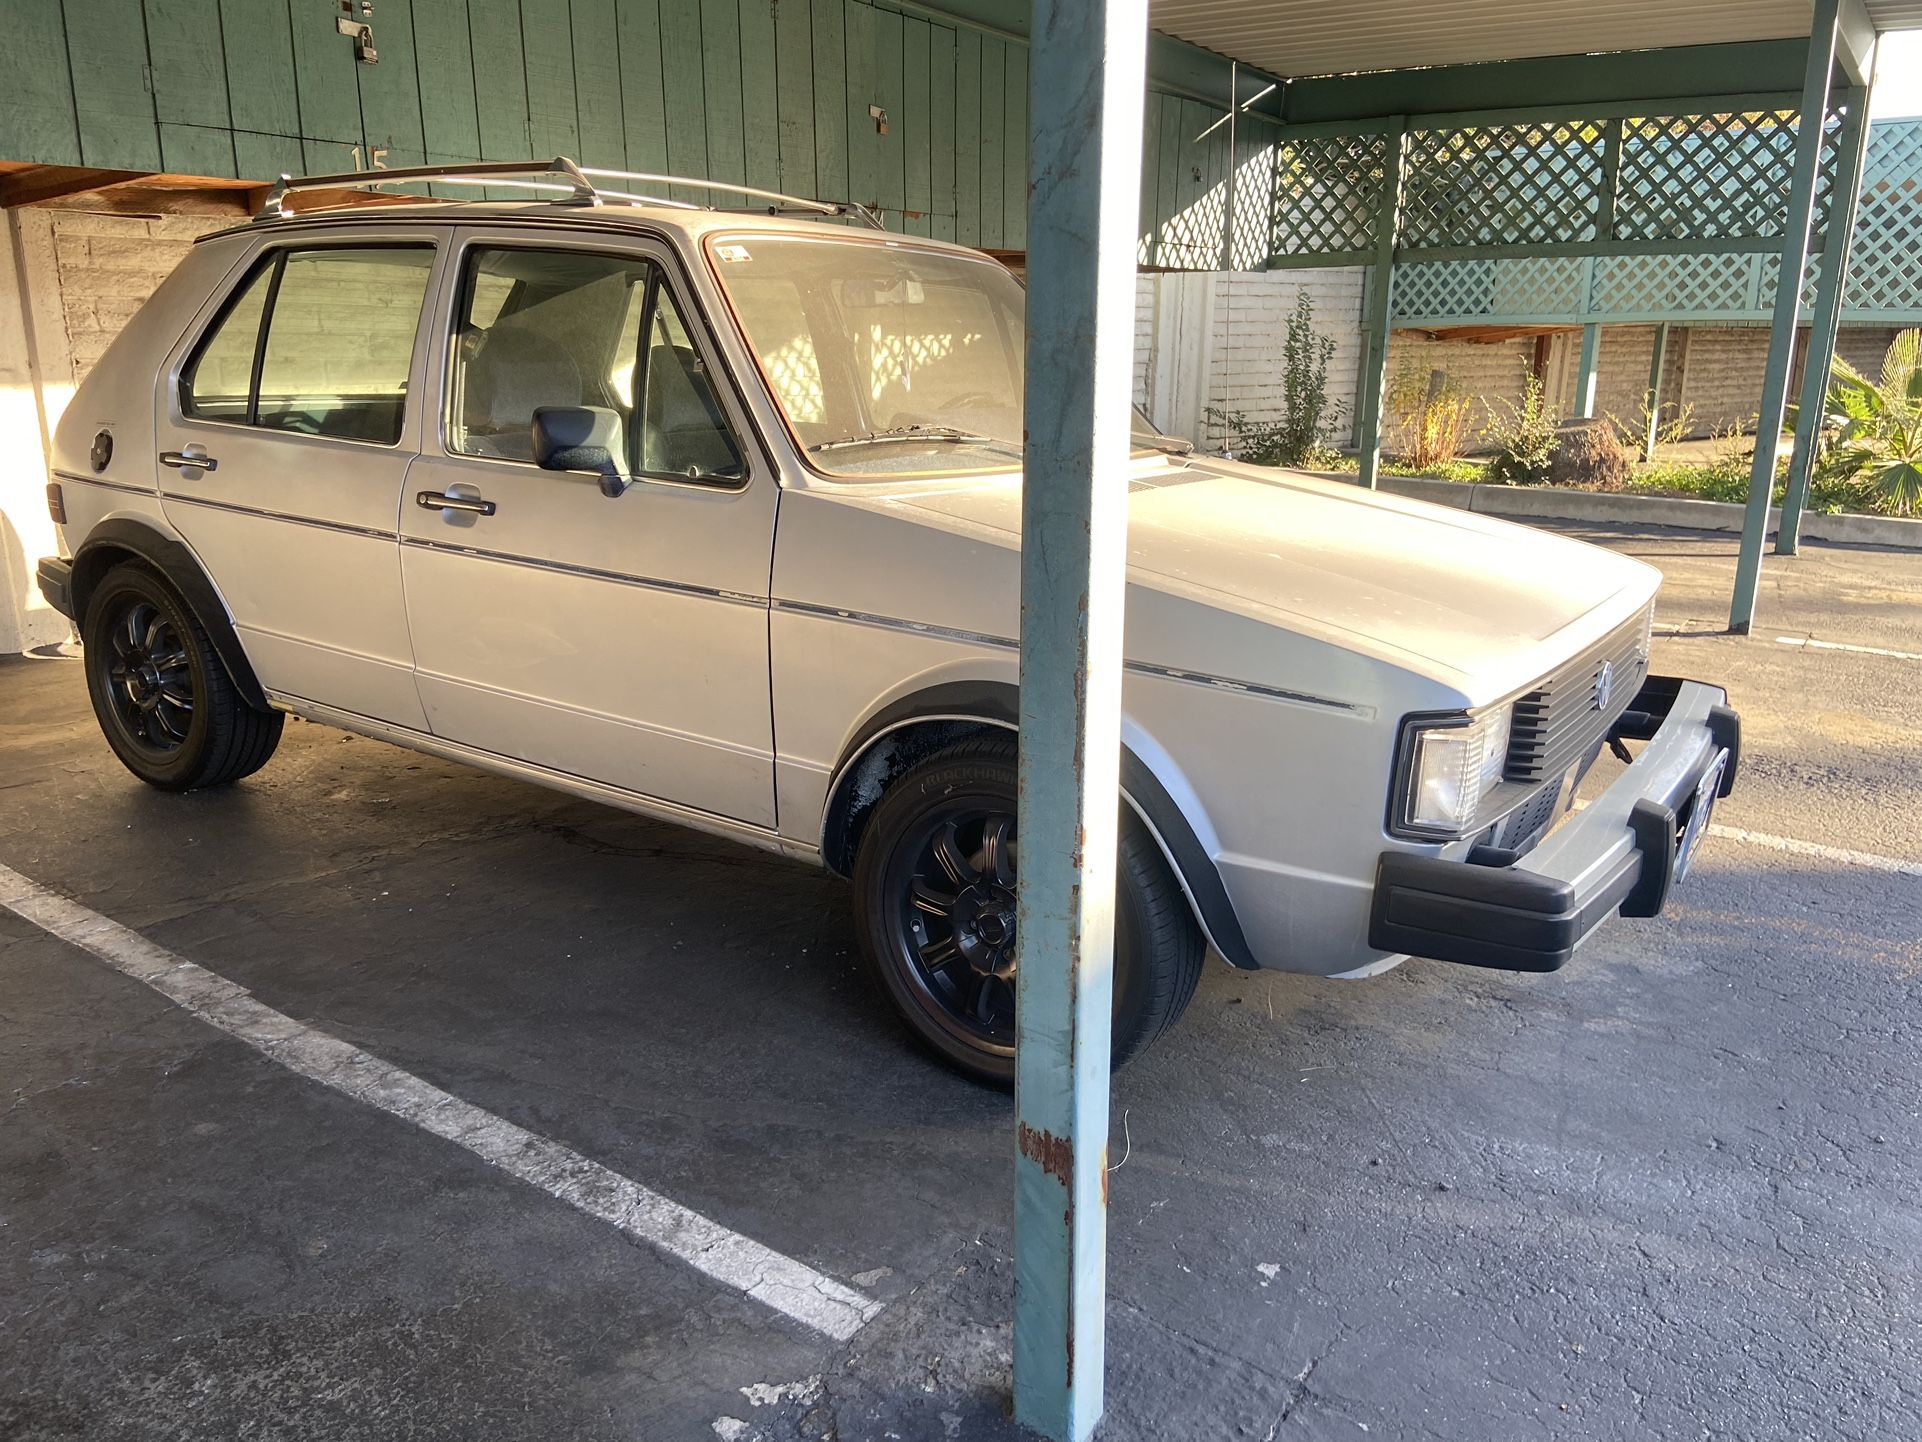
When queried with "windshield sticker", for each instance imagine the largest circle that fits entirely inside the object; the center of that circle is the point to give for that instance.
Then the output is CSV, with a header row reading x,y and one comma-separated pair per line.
x,y
732,253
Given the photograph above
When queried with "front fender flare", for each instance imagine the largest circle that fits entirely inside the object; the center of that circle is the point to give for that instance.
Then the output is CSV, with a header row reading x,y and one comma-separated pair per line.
x,y
998,704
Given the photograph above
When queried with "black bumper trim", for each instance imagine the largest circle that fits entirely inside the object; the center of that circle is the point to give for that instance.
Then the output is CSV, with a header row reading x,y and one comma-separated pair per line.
x,y
1513,918
56,584
1496,917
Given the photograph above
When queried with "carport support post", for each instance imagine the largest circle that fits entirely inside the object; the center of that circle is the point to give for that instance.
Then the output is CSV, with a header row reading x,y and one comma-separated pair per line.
x,y
1373,379
1585,374
1088,75
1831,280
1653,405
1824,36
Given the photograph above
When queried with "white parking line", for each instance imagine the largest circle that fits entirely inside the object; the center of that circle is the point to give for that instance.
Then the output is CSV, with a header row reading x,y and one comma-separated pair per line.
x,y
1845,646
789,1287
1836,854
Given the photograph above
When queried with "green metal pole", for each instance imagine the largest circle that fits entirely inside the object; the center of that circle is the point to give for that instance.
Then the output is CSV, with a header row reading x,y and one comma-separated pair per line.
x,y
1585,376
1088,79
1373,378
1654,403
1823,37
1832,279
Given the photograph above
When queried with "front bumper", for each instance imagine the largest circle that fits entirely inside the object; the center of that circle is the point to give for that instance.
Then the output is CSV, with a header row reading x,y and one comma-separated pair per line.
x,y
1623,852
56,584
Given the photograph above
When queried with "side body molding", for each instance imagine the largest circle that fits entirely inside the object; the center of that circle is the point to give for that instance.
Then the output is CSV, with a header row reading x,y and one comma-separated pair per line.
x,y
107,542
997,704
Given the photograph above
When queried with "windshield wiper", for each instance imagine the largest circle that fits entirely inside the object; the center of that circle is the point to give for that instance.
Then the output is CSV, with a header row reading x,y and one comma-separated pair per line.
x,y
918,433
1167,445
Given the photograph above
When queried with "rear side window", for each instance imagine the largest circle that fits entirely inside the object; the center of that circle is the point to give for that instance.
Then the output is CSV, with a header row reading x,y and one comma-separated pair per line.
x,y
318,342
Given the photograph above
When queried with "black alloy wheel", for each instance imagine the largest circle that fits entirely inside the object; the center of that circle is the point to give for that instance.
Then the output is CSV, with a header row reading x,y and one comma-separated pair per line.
x,y
953,885
149,677
160,691
934,880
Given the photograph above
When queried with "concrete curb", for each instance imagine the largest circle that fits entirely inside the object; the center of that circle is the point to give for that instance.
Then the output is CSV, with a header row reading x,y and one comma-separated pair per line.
x,y
1556,503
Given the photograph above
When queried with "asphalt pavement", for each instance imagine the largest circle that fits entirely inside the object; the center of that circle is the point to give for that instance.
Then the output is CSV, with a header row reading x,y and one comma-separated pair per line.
x,y
1674,1191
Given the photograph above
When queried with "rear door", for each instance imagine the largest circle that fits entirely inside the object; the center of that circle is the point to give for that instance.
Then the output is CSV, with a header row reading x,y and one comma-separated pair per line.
x,y
622,639
286,420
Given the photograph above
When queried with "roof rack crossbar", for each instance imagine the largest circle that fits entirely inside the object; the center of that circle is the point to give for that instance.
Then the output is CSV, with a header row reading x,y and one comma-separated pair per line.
x,y
574,181
580,189
728,187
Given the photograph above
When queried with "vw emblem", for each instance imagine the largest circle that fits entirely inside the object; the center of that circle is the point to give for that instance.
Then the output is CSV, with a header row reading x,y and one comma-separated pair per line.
x,y
1604,685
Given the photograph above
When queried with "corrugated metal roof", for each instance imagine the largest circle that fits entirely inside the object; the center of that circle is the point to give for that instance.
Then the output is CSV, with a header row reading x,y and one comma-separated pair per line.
x,y
1325,37
1896,14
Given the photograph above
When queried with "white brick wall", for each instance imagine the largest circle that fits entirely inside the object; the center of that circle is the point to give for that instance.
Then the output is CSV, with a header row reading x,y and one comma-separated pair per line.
x,y
69,281
1216,341
107,267
1480,370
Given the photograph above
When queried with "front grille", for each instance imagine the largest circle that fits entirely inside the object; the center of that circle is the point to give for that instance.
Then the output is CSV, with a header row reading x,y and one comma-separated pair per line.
x,y
1562,720
1522,826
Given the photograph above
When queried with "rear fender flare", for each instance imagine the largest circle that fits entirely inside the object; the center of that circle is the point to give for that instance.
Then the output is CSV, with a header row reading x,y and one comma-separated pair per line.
x,y
113,540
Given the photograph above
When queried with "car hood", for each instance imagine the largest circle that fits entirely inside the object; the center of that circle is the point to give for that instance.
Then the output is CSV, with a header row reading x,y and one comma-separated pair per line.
x,y
1450,592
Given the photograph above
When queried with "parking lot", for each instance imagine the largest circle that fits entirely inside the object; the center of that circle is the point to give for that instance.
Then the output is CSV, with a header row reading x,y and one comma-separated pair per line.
x,y
1673,1191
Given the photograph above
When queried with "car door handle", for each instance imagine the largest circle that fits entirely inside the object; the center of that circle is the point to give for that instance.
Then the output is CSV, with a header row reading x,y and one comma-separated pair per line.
x,y
189,460
441,501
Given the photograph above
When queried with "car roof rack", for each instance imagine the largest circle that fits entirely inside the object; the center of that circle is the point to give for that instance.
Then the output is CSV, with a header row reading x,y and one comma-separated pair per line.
x,y
574,183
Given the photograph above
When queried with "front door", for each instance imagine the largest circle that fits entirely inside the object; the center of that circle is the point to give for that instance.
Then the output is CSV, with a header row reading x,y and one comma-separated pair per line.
x,y
621,639
285,424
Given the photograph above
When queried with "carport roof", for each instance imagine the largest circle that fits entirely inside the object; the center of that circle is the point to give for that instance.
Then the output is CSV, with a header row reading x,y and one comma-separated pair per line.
x,y
1327,37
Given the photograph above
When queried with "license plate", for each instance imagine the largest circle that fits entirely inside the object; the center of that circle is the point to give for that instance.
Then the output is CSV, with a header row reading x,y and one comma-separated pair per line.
x,y
1698,813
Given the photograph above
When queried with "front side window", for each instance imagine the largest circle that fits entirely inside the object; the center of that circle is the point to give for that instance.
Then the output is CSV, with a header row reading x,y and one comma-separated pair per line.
x,y
318,342
570,328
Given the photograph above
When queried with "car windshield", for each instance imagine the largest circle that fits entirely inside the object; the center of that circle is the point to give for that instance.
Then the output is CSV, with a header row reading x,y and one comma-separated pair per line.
x,y
888,359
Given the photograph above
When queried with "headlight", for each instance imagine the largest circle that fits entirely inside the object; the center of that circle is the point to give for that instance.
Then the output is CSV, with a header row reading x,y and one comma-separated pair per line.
x,y
1452,765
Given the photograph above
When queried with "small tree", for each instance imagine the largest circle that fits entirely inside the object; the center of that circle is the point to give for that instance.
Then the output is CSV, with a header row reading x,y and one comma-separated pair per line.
x,y
1306,410
1524,437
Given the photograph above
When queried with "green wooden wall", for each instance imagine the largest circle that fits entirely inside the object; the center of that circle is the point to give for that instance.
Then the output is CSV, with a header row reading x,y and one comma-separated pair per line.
x,y
773,93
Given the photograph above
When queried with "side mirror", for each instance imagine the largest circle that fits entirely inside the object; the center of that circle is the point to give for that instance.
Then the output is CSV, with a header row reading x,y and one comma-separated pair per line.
x,y
580,438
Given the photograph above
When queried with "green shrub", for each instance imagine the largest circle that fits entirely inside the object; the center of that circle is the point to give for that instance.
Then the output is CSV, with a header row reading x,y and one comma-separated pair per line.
x,y
1524,438
1306,410
1433,414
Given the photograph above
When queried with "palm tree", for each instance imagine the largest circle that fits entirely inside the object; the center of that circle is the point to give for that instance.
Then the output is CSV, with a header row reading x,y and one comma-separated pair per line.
x,y
1873,433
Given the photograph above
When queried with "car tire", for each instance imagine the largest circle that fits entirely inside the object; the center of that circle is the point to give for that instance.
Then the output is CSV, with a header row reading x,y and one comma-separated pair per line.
x,y
160,691
933,886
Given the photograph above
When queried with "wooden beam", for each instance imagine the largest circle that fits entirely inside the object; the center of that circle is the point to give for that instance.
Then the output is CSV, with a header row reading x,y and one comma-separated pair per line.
x,y
1571,82
40,184
1855,44
1488,334
157,200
